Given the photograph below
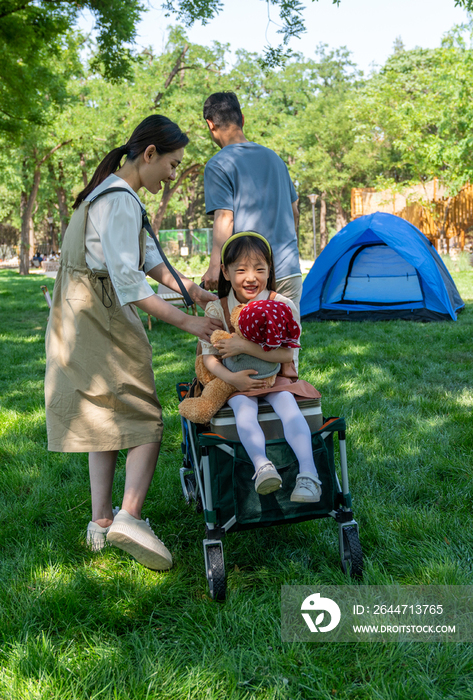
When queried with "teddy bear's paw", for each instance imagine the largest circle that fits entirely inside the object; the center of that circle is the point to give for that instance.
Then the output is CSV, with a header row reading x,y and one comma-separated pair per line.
x,y
219,335
197,410
188,408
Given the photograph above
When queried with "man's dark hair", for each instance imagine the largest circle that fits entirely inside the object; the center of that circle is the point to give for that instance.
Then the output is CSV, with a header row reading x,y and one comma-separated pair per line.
x,y
223,109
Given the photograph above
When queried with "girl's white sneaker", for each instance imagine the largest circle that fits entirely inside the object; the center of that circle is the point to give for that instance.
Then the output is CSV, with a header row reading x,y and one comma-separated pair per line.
x,y
307,489
267,479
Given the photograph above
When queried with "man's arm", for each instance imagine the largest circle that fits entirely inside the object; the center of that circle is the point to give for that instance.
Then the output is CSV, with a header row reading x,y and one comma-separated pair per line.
x,y
222,229
295,213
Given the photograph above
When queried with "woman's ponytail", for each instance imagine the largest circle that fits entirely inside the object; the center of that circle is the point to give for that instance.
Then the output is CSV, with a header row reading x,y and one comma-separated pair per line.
x,y
156,130
109,165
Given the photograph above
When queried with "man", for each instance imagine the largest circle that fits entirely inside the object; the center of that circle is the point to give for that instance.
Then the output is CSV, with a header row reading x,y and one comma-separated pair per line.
x,y
248,188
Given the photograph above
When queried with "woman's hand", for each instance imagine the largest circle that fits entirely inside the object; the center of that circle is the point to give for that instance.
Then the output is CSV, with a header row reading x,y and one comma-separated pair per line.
x,y
243,380
229,347
202,327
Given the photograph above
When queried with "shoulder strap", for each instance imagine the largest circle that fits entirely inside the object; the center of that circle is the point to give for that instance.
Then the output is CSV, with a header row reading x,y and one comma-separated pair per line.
x,y
146,225
224,303
272,296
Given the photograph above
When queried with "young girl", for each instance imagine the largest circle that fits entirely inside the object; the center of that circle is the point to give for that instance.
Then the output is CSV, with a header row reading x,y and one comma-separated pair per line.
x,y
99,386
247,274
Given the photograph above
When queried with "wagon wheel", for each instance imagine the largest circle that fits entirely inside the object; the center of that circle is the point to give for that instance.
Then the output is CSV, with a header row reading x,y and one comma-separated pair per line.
x,y
192,495
216,573
352,556
189,481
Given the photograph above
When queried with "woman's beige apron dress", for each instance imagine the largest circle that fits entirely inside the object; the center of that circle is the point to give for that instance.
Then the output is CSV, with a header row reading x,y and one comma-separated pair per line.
x,y
99,386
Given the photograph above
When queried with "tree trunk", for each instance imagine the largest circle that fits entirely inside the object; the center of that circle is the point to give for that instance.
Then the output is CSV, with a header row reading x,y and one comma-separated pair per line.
x,y
191,213
52,231
62,202
27,224
165,199
23,203
191,202
341,219
27,213
172,75
61,198
323,222
444,243
84,172
31,237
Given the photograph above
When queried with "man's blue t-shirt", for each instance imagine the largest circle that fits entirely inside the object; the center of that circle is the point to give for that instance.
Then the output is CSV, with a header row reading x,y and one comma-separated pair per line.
x,y
254,183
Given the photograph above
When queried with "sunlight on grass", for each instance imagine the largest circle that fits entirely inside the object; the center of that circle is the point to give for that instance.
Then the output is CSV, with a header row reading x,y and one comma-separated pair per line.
x,y
463,399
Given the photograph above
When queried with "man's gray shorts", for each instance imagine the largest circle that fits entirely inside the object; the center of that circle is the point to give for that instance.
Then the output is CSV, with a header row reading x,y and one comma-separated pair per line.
x,y
290,287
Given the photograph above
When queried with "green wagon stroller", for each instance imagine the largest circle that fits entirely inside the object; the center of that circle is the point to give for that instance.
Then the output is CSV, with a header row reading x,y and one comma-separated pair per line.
x,y
217,475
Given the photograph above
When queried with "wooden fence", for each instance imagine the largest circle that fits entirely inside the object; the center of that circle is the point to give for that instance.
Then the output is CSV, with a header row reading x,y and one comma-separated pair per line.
x,y
445,220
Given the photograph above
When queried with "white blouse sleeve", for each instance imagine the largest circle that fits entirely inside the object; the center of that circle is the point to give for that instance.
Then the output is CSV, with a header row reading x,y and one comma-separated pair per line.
x,y
119,227
153,256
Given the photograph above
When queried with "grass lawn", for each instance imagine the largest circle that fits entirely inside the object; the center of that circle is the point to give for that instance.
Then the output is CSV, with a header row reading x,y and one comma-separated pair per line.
x,y
78,625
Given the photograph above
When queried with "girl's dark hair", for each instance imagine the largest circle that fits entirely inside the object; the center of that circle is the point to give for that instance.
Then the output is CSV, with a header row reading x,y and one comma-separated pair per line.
x,y
246,246
156,130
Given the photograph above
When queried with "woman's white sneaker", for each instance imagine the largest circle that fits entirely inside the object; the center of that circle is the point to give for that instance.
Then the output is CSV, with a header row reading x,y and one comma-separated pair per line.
x,y
267,479
137,538
96,535
307,489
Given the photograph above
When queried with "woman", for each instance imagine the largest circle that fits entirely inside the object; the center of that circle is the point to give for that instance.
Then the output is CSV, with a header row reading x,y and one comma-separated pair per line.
x,y
99,387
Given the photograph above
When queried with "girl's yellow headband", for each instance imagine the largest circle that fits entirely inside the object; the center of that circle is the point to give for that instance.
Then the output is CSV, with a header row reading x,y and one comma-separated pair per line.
x,y
239,235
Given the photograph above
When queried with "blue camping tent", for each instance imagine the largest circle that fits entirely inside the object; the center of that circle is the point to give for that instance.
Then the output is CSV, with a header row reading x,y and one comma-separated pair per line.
x,y
379,267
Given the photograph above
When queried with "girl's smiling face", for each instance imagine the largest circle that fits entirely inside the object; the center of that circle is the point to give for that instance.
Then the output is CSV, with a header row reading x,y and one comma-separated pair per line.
x,y
248,277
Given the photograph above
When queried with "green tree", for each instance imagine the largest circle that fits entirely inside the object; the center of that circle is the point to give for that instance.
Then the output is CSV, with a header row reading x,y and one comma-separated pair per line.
x,y
303,111
179,82
39,141
420,110
32,35
55,160
334,152
290,16
466,4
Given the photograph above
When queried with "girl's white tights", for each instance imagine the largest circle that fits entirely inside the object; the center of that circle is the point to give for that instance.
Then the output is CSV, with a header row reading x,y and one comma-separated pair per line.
x,y
296,430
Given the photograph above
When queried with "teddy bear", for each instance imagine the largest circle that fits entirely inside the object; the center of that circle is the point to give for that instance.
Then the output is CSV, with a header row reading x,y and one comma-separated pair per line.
x,y
268,323
216,392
